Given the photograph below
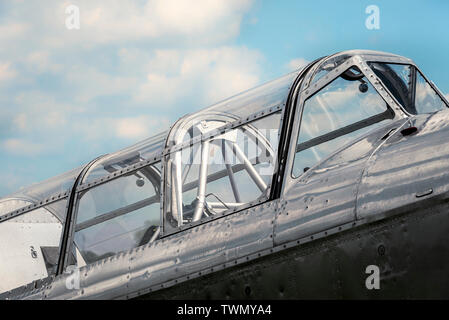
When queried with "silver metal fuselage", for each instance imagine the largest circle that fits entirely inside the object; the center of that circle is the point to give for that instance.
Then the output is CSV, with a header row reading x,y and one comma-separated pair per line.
x,y
382,200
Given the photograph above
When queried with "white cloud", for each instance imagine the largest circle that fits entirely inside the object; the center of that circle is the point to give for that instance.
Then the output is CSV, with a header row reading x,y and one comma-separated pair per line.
x,y
21,121
42,116
6,71
198,65
88,82
131,129
114,21
12,30
297,63
138,128
202,20
22,147
40,113
12,181
125,75
210,74
40,61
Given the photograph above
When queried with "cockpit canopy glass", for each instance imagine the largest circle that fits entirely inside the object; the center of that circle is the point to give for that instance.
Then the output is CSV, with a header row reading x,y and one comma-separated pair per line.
x,y
343,110
407,84
39,191
119,215
239,107
329,64
141,151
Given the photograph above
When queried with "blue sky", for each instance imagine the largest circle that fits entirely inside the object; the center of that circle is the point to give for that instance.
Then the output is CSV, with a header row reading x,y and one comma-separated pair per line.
x,y
135,66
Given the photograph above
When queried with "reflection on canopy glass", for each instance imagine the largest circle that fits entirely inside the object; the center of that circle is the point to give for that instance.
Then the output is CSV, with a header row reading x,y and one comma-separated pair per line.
x,y
343,110
119,215
409,87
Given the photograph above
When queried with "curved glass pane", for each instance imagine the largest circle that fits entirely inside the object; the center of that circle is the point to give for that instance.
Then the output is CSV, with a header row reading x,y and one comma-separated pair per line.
x,y
338,59
328,65
343,110
57,208
139,152
119,215
11,204
409,87
268,95
426,99
42,190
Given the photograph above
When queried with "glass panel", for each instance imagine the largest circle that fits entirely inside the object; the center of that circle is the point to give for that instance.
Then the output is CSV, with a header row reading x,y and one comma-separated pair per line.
x,y
223,173
404,73
416,97
268,95
344,109
426,99
141,151
119,215
47,188
57,208
29,247
328,65
9,205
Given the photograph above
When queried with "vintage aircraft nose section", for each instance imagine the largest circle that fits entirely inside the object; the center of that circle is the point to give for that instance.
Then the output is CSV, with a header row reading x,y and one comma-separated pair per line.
x,y
348,107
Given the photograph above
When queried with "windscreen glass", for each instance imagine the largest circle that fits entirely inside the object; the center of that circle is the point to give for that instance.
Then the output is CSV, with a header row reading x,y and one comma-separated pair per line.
x,y
409,87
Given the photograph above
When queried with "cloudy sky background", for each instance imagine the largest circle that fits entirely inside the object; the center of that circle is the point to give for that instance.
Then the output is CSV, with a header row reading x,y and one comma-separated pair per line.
x,y
135,66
